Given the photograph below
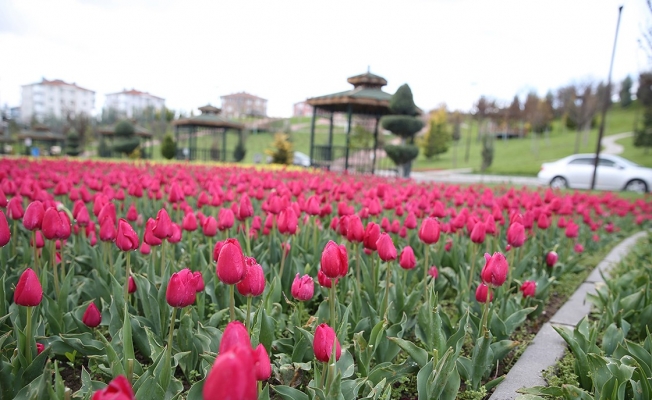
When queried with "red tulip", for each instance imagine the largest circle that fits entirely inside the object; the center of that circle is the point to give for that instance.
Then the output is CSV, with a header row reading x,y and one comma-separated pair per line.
x,y
28,291
200,281
433,271
429,231
149,236
312,206
39,348
529,288
572,230
355,232
543,222
371,235
410,221
225,219
323,341
516,234
263,365
449,244
334,260
495,269
209,226
245,210
107,211
579,248
126,238
92,316
162,228
303,287
132,213
325,281
132,285
5,233
233,376
51,223
107,230
182,289
386,249
231,267
176,234
235,334
253,283
33,216
478,233
15,208
407,259
189,222
287,221
118,389
145,249
481,294
551,259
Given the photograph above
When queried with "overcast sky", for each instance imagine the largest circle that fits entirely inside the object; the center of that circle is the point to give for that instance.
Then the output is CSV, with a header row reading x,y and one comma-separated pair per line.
x,y
191,52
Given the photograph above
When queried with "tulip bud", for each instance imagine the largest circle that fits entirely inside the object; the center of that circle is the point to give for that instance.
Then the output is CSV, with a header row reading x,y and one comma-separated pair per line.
x,y
33,216
543,222
433,271
481,294
230,267
51,223
323,341
126,238
149,236
303,288
287,221
407,259
334,260
107,230
182,289
551,259
28,291
516,234
176,234
209,226
579,248
263,365
478,233
386,249
325,281
233,376
15,208
371,235
132,213
253,283
189,222
92,316
495,269
132,285
162,228
39,348
529,288
245,210
235,334
118,389
449,244
355,232
572,229
5,233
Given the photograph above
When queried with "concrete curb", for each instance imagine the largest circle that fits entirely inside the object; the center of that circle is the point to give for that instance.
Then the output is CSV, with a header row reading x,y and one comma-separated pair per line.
x,y
547,346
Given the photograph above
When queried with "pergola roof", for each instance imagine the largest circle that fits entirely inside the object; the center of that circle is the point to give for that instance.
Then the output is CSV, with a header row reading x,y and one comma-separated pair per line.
x,y
365,98
110,131
209,118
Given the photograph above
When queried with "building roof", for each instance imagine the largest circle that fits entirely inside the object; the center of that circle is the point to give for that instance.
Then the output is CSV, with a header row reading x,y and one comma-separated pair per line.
x,y
134,92
208,118
59,82
366,97
40,135
241,95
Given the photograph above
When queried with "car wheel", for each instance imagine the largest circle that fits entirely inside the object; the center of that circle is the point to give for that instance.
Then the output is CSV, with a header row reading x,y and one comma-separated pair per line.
x,y
558,183
636,185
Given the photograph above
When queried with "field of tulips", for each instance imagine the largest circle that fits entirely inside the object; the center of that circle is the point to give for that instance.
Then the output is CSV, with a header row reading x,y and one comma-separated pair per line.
x,y
185,281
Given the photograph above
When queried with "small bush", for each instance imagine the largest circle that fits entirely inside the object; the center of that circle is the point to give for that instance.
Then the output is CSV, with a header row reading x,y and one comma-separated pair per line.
x,y
282,151
168,147
72,144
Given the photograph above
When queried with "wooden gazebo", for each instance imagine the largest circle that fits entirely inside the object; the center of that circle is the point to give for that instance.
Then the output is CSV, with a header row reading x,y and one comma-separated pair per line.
x,y
144,134
367,101
40,136
208,123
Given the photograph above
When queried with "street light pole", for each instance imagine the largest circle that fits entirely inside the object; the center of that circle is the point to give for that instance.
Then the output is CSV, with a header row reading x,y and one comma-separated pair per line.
x,y
605,105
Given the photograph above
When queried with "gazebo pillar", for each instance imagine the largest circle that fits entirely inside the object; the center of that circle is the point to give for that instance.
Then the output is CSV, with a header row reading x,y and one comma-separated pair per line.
x,y
176,139
330,140
348,134
224,145
373,164
312,135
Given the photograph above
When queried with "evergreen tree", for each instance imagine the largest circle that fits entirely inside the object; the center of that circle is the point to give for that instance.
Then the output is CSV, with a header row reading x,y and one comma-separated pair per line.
x,y
168,147
438,136
72,143
404,124
626,92
282,151
240,151
125,139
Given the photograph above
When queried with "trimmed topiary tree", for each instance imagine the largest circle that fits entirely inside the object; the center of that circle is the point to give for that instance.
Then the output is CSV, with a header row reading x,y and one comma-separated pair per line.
x,y
168,147
403,123
73,147
125,140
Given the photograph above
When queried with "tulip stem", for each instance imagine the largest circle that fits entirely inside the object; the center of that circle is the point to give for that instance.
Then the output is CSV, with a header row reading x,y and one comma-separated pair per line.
x,y
248,313
282,261
232,302
314,234
323,375
165,376
35,252
13,242
332,296
485,311
53,257
388,276
510,267
474,254
425,272
247,238
28,335
127,274
356,249
162,260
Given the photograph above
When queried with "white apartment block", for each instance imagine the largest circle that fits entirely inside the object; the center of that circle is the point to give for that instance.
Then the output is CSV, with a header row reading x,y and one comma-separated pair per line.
x,y
129,102
55,98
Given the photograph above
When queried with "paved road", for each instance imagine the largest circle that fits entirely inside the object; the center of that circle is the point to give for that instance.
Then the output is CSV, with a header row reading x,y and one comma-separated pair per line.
x,y
609,143
464,176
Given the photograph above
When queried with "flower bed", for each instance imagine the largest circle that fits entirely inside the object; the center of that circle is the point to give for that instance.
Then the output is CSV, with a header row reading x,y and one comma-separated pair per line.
x,y
198,281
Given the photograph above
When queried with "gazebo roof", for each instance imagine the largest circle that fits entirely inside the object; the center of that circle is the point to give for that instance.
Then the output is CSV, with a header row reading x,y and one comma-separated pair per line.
x,y
40,135
208,118
365,98
110,130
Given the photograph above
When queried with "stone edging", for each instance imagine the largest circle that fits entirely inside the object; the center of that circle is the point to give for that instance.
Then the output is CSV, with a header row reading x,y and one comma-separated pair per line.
x,y
547,346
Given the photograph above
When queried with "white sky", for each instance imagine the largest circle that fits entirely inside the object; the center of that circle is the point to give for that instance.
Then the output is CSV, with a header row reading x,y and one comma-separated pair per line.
x,y
192,52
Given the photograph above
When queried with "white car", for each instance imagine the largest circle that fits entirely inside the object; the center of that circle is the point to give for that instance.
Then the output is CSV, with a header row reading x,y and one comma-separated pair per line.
x,y
614,173
301,159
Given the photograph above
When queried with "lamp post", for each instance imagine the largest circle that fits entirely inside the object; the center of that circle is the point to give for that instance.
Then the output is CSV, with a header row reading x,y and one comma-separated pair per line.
x,y
605,104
